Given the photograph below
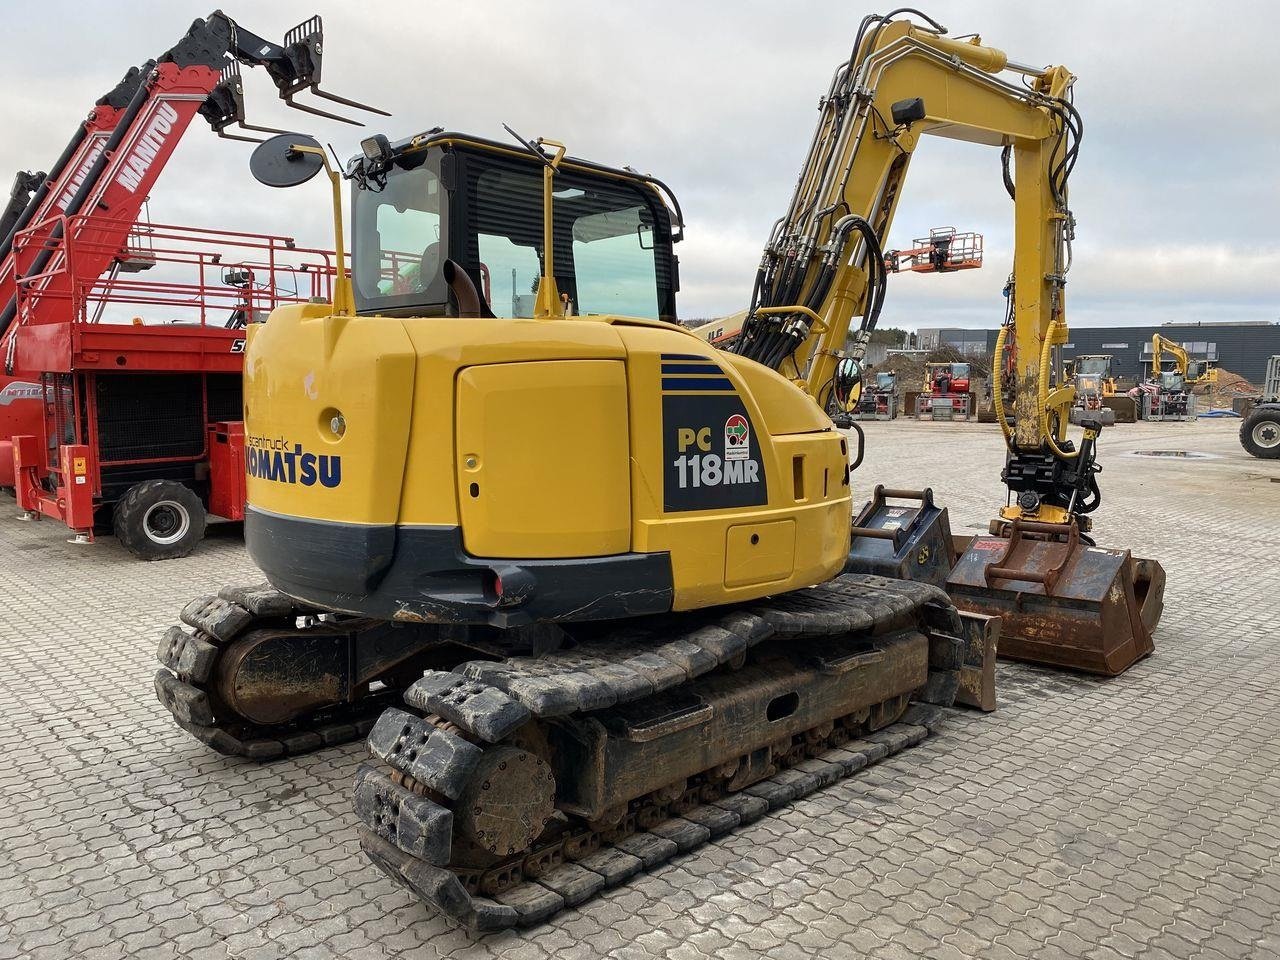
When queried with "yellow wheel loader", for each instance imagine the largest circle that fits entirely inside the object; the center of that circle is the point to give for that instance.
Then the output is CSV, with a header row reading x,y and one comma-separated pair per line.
x,y
599,560
1096,393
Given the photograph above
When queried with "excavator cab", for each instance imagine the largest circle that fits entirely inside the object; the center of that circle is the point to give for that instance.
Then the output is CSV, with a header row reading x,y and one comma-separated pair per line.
x,y
438,197
567,393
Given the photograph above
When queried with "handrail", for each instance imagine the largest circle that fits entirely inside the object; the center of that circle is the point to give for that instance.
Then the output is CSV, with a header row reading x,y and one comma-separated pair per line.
x,y
193,266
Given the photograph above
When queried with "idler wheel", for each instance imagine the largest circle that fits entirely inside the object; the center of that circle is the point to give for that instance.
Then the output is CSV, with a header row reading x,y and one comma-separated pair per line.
x,y
507,802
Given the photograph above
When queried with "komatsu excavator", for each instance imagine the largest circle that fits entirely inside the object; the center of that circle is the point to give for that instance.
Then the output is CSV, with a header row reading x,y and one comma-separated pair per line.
x,y
601,559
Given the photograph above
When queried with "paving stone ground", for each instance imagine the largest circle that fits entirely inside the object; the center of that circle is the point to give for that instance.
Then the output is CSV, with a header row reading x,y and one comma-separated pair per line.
x,y
1135,817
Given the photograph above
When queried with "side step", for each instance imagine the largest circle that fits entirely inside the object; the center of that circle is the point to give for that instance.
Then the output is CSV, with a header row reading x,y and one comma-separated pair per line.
x,y
1062,602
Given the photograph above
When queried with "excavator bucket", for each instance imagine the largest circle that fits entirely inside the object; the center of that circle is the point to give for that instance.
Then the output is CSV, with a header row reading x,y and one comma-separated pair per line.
x,y
1123,406
1061,601
914,542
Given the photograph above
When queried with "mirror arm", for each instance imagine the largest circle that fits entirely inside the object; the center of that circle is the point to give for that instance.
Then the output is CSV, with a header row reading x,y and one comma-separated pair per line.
x,y
344,303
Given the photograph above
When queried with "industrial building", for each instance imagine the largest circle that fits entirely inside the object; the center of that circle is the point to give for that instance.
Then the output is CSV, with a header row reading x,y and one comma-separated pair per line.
x,y
1242,348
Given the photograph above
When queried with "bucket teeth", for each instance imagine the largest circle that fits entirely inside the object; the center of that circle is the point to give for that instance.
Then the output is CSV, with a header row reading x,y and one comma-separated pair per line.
x,y
414,824
476,707
217,617
436,758
190,657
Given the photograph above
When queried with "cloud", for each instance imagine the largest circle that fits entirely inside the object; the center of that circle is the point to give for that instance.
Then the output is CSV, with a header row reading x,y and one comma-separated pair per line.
x,y
1176,193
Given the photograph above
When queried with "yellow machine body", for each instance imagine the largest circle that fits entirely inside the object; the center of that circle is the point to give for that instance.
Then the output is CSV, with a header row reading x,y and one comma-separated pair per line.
x,y
573,440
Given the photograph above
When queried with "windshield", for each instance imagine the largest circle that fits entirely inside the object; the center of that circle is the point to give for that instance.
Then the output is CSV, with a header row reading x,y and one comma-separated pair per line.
x,y
1094,366
605,256
484,210
396,253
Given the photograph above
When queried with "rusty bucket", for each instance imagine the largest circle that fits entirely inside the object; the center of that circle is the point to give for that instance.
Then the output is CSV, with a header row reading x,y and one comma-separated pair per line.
x,y
1062,602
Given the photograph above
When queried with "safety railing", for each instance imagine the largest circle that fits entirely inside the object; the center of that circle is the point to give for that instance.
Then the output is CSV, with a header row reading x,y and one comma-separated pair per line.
x,y
161,273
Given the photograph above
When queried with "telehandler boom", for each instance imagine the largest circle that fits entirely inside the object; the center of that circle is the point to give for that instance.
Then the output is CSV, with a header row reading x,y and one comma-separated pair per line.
x,y
620,617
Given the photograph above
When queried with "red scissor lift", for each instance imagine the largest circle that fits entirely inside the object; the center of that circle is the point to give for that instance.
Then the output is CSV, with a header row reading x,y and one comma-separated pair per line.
x,y
122,340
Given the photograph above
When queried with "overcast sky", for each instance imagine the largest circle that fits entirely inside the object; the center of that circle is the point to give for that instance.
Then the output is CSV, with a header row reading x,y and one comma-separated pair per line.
x,y
1177,191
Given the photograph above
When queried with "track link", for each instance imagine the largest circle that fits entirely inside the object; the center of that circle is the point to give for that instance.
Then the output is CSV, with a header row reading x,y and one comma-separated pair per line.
x,y
611,863
190,655
487,723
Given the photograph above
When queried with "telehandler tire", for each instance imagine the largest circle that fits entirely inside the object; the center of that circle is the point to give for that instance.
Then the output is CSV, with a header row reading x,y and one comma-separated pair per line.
x,y
159,520
1260,434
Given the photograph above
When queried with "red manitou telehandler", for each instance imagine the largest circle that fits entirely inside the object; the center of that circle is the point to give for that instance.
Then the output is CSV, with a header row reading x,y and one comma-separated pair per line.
x,y
121,341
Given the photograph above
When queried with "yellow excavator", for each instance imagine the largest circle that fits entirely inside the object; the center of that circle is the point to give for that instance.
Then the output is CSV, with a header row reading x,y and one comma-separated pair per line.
x,y
601,561
1169,394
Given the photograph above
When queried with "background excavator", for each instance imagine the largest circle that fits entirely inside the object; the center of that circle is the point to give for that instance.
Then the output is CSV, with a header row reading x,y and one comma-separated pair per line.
x,y
1169,394
620,621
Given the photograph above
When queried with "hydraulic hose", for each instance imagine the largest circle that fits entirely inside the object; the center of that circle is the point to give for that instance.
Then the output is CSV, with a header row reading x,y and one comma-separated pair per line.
x,y
1042,394
997,384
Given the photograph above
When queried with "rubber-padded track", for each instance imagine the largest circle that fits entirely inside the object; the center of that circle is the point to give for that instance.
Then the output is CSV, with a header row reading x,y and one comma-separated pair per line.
x,y
535,901
486,699
189,659
644,660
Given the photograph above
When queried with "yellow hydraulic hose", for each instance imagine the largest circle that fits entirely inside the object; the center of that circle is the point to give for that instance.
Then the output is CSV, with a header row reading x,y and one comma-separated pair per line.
x,y
997,384
1042,396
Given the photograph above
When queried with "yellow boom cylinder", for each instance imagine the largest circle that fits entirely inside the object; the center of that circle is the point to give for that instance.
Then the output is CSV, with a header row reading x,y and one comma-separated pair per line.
x,y
972,52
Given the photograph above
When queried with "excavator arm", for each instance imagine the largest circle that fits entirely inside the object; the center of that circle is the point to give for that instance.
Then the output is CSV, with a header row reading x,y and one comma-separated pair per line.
x,y
823,265
1162,345
1061,600
1193,371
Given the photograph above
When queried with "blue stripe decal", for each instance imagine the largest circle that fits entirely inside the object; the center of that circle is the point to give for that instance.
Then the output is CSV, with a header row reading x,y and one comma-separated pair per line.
x,y
686,356
690,368
718,384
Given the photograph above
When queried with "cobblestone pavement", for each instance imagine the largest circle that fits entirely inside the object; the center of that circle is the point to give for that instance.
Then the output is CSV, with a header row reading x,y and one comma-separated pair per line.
x,y
1136,817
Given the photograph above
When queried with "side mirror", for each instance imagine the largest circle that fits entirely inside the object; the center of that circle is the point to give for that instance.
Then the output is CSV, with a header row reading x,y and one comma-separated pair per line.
x,y
294,158
848,374
277,162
